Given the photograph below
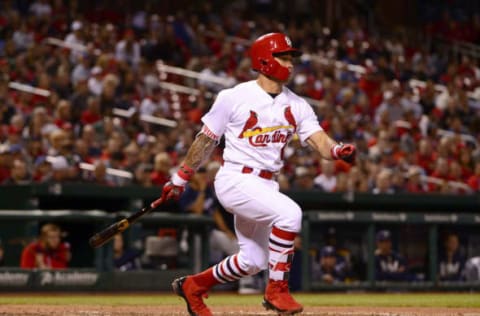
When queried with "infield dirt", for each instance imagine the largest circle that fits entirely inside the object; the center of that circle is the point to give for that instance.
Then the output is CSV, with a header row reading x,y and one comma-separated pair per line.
x,y
165,310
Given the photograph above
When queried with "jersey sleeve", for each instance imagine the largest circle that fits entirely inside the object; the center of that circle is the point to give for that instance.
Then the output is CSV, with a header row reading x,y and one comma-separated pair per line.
x,y
217,118
308,124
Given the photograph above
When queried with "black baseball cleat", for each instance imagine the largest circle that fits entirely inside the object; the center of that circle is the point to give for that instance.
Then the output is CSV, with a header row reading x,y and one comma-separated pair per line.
x,y
193,295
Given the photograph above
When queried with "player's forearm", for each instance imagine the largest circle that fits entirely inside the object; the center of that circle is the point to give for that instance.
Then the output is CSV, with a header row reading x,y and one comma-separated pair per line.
x,y
322,143
200,151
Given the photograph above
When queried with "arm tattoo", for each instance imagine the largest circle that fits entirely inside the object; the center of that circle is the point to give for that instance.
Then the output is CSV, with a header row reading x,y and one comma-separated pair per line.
x,y
200,151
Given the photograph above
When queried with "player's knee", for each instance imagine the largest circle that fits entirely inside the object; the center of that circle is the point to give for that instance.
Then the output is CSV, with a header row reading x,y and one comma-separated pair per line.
x,y
251,263
291,220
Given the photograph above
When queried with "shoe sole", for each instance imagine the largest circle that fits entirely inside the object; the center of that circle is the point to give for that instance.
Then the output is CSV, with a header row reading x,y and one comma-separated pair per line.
x,y
177,289
270,306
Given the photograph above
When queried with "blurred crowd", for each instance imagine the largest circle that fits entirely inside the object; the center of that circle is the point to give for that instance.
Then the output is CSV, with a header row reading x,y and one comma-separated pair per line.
x,y
411,138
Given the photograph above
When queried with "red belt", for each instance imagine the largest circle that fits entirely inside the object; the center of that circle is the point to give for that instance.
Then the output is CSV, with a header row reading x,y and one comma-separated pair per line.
x,y
262,174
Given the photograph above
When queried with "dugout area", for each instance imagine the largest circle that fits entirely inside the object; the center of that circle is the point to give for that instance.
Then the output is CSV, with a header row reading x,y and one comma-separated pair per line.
x,y
417,224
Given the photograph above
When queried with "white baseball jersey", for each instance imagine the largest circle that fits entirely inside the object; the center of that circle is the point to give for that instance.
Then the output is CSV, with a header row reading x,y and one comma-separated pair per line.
x,y
256,126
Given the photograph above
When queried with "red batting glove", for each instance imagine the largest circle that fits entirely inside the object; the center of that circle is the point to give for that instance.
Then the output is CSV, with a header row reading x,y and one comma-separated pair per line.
x,y
345,152
175,187
172,191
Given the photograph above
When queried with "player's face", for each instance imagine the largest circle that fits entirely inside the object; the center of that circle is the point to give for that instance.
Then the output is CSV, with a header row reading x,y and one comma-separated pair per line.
x,y
53,239
452,243
328,261
385,246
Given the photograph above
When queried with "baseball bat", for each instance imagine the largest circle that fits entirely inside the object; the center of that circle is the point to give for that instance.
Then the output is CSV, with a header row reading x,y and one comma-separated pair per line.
x,y
101,238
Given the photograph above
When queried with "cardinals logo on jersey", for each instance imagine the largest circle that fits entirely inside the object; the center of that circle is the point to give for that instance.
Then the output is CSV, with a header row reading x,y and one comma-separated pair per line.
x,y
261,136
290,119
250,123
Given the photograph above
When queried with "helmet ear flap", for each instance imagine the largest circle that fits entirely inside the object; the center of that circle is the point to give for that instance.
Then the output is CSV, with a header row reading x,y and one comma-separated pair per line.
x,y
265,66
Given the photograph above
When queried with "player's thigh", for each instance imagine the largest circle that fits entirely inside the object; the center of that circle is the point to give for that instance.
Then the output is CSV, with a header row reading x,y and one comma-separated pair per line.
x,y
256,199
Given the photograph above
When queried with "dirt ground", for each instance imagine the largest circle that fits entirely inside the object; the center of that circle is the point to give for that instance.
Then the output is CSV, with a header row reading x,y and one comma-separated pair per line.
x,y
91,310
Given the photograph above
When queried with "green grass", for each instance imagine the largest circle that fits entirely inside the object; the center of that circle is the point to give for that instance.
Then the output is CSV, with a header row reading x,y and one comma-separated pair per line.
x,y
382,300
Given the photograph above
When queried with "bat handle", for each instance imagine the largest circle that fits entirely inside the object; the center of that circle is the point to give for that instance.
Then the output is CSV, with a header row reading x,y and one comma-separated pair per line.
x,y
156,203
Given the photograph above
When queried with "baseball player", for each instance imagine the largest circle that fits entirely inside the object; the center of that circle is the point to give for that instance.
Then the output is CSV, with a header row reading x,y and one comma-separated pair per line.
x,y
258,118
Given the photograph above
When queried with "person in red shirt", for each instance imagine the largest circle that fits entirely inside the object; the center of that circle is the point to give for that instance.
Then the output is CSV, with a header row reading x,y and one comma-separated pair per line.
x,y
415,184
161,172
48,252
425,156
474,180
92,113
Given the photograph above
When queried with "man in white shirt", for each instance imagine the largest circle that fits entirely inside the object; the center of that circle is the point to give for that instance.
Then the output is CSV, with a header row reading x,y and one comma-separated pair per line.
x,y
327,181
258,118
75,37
128,50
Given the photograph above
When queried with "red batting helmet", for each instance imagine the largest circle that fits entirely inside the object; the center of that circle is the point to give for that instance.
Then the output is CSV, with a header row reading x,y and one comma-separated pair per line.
x,y
263,51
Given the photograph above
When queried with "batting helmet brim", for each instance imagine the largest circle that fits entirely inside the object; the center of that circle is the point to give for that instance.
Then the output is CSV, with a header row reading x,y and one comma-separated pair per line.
x,y
293,51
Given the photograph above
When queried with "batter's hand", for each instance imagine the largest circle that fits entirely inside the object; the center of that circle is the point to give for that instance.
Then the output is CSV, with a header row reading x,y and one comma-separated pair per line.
x,y
175,187
346,152
172,191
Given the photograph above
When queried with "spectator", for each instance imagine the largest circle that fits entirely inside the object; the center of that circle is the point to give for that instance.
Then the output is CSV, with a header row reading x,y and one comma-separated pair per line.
x,y
128,50
42,170
327,180
343,250
60,169
76,37
22,37
81,71
99,175
63,114
48,252
142,174
330,268
155,104
161,172
92,112
124,259
389,265
5,163
415,184
91,139
383,183
19,173
304,179
451,260
474,180
41,9
116,162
